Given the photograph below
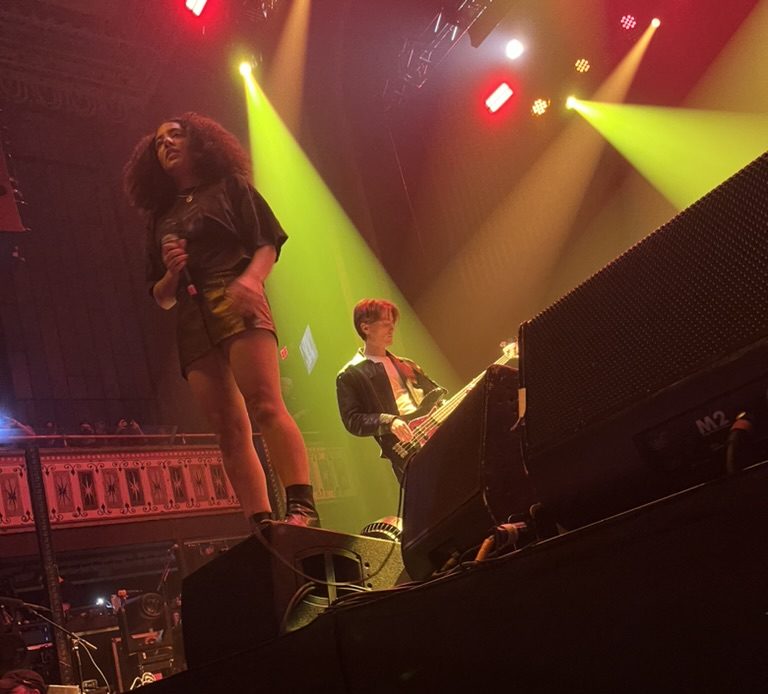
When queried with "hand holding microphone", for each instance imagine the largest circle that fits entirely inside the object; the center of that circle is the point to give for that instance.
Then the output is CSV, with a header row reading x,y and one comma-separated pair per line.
x,y
175,256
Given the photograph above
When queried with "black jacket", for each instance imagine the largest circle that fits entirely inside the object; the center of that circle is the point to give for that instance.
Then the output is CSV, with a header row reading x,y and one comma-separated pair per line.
x,y
366,401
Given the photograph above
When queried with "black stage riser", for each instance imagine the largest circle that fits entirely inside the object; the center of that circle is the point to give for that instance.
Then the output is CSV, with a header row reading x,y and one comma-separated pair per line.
x,y
667,598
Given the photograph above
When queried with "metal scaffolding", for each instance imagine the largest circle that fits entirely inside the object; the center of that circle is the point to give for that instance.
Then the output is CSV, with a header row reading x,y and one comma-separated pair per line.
x,y
420,54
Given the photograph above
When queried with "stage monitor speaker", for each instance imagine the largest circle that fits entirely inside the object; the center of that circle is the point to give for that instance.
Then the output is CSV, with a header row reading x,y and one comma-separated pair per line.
x,y
192,554
633,380
264,587
468,478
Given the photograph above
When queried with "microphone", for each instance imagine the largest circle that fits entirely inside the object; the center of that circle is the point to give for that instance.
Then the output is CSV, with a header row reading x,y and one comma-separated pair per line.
x,y
188,281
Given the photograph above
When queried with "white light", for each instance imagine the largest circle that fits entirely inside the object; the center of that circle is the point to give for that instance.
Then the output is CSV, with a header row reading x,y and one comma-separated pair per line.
x,y
582,65
99,601
515,49
539,107
246,69
196,6
500,96
655,22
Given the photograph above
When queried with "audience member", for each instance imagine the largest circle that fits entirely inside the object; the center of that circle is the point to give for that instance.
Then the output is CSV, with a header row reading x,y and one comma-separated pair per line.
x,y
52,429
100,427
22,682
122,429
86,429
135,430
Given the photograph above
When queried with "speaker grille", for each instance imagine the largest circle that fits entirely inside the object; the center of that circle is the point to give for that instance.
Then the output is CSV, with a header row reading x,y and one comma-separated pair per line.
x,y
690,293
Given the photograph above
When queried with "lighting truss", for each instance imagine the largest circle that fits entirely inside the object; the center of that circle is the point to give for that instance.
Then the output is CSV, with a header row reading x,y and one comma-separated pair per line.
x,y
421,54
261,10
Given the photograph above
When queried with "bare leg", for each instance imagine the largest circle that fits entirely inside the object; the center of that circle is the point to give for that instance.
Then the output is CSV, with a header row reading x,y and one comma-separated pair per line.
x,y
216,392
253,360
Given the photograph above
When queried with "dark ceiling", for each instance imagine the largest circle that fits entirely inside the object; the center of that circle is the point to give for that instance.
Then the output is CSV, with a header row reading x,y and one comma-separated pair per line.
x,y
140,60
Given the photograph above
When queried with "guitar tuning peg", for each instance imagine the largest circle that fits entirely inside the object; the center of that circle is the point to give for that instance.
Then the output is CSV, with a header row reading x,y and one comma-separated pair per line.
x,y
510,348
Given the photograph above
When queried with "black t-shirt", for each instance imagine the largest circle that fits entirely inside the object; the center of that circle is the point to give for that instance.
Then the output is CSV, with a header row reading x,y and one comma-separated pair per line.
x,y
223,222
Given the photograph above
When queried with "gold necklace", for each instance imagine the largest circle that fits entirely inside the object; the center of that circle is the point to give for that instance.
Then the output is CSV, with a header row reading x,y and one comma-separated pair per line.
x,y
188,196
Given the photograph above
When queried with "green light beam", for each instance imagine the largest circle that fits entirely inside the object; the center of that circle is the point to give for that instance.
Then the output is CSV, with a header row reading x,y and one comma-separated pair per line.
x,y
325,269
683,153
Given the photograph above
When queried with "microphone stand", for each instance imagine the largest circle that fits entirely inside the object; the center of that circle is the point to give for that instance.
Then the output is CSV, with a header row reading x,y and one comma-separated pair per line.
x,y
162,585
74,638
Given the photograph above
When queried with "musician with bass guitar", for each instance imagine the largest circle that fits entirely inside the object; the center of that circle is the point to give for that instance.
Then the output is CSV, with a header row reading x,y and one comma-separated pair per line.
x,y
379,393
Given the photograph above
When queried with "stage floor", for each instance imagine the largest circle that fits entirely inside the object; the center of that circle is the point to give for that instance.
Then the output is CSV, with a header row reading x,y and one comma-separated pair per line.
x,y
672,596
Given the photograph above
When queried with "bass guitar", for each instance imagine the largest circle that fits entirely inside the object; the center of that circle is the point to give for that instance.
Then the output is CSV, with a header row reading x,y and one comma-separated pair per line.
x,y
433,411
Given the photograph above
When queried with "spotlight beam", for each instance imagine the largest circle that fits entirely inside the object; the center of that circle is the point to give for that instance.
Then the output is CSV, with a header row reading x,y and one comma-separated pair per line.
x,y
285,82
506,266
683,153
325,269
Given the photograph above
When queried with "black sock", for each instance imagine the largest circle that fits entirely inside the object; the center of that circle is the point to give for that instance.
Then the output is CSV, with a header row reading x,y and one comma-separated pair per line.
x,y
300,493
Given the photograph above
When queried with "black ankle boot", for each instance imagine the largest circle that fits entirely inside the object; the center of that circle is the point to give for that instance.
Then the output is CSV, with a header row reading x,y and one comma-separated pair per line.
x,y
298,513
300,503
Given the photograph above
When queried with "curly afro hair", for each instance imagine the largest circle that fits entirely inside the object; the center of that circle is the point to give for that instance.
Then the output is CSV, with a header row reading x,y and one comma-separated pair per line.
x,y
216,152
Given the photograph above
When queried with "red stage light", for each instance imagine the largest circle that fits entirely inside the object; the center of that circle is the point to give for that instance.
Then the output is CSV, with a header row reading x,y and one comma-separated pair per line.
x,y
628,22
196,7
500,96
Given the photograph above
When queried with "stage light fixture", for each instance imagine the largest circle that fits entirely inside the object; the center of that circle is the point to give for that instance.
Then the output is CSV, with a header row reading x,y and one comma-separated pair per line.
x,y
582,65
499,97
196,7
655,22
515,49
628,22
246,69
540,106
387,528
570,102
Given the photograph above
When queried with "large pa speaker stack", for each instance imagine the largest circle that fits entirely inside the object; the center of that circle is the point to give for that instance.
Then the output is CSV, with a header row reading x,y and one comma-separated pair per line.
x,y
275,582
633,380
468,478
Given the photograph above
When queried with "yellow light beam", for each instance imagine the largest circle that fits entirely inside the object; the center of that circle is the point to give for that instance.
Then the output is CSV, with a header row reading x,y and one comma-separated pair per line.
x,y
325,269
683,153
285,81
490,285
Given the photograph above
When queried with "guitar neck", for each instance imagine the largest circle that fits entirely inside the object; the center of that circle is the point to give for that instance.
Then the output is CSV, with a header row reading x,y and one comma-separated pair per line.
x,y
442,413
402,450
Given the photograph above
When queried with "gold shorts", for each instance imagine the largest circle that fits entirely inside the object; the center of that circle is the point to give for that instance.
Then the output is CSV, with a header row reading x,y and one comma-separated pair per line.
x,y
204,322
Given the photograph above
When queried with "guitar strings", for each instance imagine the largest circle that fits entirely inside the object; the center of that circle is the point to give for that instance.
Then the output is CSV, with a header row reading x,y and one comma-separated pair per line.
x,y
431,422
